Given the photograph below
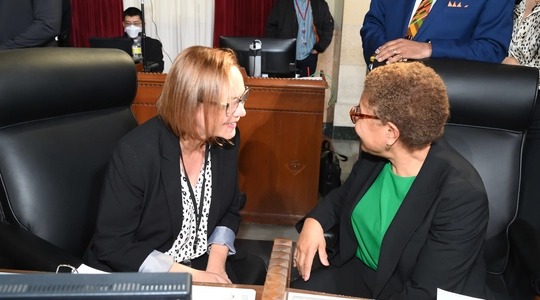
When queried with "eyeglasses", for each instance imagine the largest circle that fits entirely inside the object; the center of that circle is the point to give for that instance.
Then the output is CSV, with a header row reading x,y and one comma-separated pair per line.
x,y
357,115
230,108
132,23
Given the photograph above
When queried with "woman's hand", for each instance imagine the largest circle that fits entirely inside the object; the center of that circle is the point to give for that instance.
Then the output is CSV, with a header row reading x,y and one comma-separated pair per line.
x,y
510,61
216,261
198,275
205,276
311,240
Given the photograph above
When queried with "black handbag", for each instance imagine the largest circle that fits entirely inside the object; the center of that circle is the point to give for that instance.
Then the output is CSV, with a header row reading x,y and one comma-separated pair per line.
x,y
330,170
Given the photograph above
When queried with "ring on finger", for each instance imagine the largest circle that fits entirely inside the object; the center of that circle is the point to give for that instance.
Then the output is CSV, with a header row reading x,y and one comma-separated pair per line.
x,y
395,51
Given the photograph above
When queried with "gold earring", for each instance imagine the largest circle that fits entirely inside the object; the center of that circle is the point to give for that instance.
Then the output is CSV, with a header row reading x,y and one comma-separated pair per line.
x,y
387,147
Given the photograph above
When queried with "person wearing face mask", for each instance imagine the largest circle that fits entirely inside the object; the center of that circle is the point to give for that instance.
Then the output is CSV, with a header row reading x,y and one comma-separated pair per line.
x,y
132,21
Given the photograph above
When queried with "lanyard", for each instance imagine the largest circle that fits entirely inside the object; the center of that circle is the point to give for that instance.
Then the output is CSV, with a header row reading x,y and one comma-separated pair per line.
x,y
198,210
300,11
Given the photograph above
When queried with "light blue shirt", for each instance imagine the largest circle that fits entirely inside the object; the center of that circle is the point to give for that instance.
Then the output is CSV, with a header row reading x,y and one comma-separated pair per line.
x,y
306,39
159,262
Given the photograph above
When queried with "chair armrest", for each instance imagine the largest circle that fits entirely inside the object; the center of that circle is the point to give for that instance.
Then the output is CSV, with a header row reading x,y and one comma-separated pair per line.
x,y
332,241
30,252
525,241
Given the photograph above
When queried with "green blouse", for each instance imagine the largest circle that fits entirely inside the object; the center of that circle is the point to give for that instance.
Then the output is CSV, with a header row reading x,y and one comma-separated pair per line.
x,y
375,211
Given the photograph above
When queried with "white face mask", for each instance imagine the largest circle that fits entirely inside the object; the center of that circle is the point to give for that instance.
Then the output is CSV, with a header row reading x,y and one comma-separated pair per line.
x,y
133,31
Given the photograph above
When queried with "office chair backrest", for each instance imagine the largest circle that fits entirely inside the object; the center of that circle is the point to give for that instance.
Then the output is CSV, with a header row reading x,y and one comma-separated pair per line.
x,y
490,107
62,111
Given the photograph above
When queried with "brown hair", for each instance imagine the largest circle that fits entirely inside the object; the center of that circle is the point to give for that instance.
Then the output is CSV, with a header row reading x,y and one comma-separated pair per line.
x,y
199,75
413,97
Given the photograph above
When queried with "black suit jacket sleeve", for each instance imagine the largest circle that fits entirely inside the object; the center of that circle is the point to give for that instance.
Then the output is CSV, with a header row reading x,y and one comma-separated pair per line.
x,y
324,23
47,18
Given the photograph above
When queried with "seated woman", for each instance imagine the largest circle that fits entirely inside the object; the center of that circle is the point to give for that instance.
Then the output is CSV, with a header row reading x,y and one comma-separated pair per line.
x,y
413,213
170,200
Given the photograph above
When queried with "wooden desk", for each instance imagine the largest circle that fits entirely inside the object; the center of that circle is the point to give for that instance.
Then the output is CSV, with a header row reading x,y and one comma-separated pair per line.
x,y
280,149
276,286
280,144
148,90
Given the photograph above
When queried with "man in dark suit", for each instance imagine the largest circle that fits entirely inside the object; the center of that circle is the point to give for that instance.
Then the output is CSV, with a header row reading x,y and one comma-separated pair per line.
x,y
475,30
29,23
132,20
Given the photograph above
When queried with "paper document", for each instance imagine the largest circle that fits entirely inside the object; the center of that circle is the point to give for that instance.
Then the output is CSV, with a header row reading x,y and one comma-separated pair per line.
x,y
310,78
304,296
201,292
84,269
446,295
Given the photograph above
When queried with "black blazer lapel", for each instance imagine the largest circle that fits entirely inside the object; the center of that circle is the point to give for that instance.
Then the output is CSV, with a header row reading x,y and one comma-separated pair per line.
x,y
217,173
409,216
170,173
372,166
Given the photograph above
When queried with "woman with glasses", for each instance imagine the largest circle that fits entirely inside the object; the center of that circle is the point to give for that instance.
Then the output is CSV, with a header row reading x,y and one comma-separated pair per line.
x,y
171,201
413,213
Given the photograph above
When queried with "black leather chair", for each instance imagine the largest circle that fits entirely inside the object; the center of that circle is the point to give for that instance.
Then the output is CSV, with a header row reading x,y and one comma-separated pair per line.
x,y
490,110
491,107
62,111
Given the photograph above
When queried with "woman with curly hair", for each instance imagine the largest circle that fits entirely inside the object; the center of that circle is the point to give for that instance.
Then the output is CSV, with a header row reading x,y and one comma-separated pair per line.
x,y
413,213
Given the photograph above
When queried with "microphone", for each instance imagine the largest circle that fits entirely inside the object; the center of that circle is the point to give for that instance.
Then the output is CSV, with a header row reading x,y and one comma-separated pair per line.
x,y
255,58
143,38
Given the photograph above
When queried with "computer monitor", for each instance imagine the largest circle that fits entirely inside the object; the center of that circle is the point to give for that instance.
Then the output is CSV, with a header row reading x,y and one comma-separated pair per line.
x,y
278,56
176,286
121,43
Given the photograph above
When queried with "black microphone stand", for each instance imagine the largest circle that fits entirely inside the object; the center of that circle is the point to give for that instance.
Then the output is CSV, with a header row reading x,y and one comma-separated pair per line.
x,y
143,39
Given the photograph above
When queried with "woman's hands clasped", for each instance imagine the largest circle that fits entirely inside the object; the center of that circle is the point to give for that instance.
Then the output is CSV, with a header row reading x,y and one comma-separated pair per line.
x,y
310,241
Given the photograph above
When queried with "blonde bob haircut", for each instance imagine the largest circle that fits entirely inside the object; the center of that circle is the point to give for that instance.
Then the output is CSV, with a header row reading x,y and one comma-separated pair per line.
x,y
198,76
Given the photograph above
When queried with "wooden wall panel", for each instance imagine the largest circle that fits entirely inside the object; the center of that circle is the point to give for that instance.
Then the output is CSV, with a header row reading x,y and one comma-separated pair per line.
x,y
148,91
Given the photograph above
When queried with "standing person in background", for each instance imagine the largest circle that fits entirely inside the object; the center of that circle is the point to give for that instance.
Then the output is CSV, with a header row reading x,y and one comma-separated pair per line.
x,y
132,21
29,23
525,50
310,22
414,29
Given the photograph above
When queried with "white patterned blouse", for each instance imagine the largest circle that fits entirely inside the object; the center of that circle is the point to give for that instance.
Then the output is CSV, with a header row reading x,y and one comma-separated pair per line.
x,y
525,44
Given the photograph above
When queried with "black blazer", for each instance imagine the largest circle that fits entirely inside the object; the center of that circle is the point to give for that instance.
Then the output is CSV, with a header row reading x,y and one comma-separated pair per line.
x,y
283,23
141,202
436,239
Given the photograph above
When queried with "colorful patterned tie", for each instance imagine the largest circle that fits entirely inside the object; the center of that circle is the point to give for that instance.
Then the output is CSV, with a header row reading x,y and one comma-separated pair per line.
x,y
418,18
